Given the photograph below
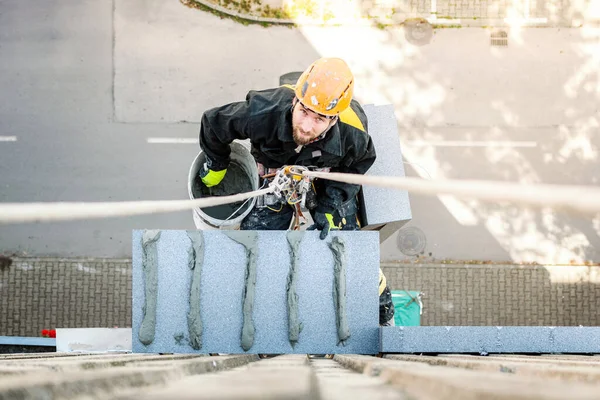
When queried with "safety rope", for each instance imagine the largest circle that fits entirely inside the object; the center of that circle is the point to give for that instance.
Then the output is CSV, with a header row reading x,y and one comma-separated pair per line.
x,y
68,211
580,199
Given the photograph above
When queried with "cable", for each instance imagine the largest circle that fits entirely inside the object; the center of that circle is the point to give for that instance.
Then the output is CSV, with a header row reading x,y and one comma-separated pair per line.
x,y
236,211
240,207
274,210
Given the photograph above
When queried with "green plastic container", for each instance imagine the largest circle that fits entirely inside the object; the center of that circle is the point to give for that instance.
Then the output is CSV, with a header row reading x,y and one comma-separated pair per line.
x,y
408,307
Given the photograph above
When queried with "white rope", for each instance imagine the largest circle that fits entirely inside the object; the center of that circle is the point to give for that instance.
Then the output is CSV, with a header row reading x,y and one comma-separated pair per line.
x,y
581,199
68,211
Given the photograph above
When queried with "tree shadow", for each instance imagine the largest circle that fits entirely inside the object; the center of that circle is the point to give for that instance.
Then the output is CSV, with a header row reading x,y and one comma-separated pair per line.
x,y
525,113
550,12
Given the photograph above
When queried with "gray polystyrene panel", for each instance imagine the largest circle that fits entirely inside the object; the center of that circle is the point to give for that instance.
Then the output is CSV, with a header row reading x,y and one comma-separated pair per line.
x,y
222,284
385,205
490,339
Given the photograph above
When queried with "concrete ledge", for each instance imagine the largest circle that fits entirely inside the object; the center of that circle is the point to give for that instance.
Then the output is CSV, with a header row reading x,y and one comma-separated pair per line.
x,y
99,362
490,339
419,380
282,377
109,381
134,376
336,382
580,371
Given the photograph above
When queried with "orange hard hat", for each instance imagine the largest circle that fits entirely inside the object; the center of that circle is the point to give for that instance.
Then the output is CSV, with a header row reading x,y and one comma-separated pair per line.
x,y
326,87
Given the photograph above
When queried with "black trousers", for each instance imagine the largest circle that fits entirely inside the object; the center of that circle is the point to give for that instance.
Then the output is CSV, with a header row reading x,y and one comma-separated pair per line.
x,y
268,219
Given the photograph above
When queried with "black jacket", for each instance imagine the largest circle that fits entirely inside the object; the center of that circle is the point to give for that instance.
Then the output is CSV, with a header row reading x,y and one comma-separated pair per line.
x,y
266,119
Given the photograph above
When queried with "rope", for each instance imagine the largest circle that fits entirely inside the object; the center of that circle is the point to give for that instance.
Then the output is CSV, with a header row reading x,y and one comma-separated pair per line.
x,y
580,199
69,211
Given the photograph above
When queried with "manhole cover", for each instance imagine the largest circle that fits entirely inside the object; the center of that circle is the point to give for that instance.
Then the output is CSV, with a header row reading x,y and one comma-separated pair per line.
x,y
418,32
499,38
411,241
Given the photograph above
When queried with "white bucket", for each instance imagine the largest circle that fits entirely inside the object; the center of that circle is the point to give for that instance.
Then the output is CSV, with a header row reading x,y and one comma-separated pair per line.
x,y
240,156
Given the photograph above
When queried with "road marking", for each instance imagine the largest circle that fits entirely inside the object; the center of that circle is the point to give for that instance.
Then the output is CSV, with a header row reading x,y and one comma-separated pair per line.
x,y
8,138
159,140
468,143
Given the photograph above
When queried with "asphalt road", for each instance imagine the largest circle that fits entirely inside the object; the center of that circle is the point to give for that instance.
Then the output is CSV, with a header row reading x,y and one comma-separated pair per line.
x,y
86,85
57,100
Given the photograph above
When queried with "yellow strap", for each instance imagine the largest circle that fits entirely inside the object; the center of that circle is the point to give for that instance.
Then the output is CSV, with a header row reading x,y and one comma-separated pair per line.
x,y
382,282
348,116
332,224
293,87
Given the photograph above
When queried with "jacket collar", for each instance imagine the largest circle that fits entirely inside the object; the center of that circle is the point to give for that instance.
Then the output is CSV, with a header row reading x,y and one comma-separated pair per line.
x,y
331,143
285,134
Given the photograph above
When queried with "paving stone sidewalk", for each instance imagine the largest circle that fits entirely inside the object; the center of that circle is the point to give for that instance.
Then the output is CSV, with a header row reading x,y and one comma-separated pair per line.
x,y
48,293
135,376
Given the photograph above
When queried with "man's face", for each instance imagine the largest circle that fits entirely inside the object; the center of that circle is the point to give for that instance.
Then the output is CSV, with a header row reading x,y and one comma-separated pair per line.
x,y
308,125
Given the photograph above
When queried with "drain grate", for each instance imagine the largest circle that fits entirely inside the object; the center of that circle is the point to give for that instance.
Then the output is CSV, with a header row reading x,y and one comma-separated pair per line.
x,y
499,38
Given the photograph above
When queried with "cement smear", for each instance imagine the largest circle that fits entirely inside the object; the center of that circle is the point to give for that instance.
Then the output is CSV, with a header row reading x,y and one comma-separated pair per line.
x,y
235,181
249,239
294,325
195,260
179,338
339,288
150,267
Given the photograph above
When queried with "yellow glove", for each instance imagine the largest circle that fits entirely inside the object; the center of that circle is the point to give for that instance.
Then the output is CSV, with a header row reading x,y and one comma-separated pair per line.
x,y
326,222
212,178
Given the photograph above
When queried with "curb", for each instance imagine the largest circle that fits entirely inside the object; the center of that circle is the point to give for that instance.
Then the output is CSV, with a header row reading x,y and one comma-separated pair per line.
x,y
233,14
204,4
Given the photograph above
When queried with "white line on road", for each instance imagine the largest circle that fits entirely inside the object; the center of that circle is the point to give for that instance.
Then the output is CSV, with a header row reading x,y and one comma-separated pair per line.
x,y
159,140
8,138
468,143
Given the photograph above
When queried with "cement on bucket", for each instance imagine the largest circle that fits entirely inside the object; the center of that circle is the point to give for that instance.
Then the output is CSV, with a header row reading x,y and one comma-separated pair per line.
x,y
241,177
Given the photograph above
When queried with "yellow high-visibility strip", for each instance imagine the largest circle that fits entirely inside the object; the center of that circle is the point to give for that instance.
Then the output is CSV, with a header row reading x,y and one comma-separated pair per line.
x,y
382,282
348,116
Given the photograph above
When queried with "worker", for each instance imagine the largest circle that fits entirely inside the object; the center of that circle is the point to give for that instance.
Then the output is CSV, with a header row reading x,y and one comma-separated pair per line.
x,y
315,123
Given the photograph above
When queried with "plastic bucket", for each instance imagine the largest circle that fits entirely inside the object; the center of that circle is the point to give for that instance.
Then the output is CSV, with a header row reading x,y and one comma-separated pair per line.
x,y
244,168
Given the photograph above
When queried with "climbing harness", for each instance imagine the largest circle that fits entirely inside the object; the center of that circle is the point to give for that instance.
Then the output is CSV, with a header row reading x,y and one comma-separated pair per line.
x,y
290,186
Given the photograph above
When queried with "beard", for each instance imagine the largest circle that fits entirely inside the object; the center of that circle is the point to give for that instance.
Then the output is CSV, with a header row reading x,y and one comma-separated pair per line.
x,y
300,139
